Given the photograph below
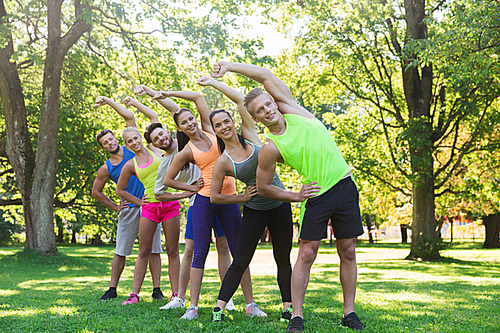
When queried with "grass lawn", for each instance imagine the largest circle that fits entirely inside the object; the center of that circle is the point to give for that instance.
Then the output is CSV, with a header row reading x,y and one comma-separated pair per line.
x,y
458,294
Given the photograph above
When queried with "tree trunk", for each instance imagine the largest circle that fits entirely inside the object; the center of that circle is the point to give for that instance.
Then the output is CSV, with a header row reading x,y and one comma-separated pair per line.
x,y
368,223
492,225
60,234
18,145
73,237
96,240
417,84
404,233
36,176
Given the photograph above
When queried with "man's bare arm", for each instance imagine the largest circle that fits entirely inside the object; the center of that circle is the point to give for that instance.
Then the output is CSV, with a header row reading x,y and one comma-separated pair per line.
x,y
273,85
269,155
152,116
167,103
120,109
99,183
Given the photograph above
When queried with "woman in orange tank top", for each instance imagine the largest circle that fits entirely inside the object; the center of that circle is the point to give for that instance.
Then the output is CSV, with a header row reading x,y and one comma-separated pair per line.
x,y
199,146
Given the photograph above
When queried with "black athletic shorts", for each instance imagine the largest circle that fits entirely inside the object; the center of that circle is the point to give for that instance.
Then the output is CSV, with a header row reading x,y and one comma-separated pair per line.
x,y
341,205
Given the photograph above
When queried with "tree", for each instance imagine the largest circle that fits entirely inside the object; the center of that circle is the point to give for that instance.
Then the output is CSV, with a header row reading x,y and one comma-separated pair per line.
x,y
36,173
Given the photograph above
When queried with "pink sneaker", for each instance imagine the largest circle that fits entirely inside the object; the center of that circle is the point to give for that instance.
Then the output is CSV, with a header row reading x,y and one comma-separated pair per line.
x,y
133,298
174,295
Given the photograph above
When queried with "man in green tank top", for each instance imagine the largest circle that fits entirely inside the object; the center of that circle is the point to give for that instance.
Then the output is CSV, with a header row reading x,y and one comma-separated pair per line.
x,y
298,139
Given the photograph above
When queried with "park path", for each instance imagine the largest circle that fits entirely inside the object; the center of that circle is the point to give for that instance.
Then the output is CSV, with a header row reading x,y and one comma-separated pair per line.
x,y
263,260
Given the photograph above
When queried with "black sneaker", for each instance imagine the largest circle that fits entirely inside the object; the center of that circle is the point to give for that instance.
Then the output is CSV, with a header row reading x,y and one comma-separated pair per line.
x,y
110,293
352,321
157,294
286,315
217,315
296,324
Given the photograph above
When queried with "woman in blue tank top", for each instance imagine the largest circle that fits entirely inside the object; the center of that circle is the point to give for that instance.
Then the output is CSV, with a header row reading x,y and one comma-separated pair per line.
x,y
240,160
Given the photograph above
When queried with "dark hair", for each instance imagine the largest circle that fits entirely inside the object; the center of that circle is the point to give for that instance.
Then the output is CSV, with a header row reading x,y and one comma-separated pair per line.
x,y
250,97
101,134
182,138
220,142
149,129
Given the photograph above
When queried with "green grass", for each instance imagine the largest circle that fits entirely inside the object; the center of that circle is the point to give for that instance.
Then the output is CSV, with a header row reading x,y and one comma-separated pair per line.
x,y
461,293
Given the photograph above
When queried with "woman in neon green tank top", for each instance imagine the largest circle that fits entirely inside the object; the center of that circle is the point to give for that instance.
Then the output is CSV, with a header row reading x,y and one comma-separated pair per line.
x,y
145,166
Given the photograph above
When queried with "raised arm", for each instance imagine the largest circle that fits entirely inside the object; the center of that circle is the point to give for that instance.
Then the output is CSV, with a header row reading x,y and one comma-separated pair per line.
x,y
184,156
120,109
198,100
121,185
273,85
222,168
247,124
268,156
167,103
152,116
99,182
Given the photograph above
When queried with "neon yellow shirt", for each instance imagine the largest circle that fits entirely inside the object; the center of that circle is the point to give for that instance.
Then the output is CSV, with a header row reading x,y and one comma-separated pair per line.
x,y
308,147
147,174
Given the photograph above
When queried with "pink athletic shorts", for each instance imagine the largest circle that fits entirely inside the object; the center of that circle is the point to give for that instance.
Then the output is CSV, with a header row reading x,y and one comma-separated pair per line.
x,y
160,211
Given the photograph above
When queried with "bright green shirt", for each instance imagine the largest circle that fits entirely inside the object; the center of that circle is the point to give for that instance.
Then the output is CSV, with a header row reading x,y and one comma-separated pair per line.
x,y
147,174
308,147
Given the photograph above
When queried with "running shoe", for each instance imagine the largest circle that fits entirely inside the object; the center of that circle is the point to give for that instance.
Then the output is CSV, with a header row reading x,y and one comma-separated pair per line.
x,y
110,293
173,296
296,324
217,315
253,310
352,321
157,294
286,315
175,303
230,305
191,313
133,298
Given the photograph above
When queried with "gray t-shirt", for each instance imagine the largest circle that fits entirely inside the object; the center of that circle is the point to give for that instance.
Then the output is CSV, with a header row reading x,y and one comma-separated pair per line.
x,y
246,172
188,176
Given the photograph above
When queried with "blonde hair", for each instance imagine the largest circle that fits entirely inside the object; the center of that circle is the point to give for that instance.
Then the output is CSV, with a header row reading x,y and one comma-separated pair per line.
x,y
129,129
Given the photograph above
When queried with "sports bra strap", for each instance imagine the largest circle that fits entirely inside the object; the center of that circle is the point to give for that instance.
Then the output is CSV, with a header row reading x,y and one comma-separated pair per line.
x,y
232,162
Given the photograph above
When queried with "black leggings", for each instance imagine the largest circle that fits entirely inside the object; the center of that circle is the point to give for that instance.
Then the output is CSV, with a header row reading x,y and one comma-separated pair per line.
x,y
279,222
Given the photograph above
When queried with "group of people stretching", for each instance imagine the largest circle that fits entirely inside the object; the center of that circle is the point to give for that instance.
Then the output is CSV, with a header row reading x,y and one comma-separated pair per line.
x,y
202,164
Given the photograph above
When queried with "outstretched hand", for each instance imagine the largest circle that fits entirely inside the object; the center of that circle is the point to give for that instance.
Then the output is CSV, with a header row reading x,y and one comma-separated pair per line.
x,y
308,190
161,94
128,101
205,81
250,192
220,68
142,90
100,101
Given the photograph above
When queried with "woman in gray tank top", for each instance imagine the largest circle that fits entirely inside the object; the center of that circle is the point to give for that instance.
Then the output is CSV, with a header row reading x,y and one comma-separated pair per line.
x,y
240,160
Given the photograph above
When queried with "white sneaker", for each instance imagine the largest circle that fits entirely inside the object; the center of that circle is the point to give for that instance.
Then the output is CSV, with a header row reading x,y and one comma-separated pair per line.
x,y
191,313
253,310
175,303
230,305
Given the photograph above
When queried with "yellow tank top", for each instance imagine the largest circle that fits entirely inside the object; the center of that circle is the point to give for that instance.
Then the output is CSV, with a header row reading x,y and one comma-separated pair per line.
x,y
147,174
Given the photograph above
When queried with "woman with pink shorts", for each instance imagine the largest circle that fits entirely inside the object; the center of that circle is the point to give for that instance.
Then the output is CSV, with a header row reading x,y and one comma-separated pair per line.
x,y
145,165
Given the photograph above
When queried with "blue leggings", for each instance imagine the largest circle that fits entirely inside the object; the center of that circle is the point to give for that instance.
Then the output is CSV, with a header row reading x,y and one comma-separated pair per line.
x,y
204,213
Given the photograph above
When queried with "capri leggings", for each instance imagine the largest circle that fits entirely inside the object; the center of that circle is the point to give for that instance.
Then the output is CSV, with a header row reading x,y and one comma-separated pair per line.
x,y
204,213
279,222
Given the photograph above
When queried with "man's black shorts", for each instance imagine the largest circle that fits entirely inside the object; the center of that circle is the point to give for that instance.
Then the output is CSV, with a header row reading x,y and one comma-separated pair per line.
x,y
341,205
